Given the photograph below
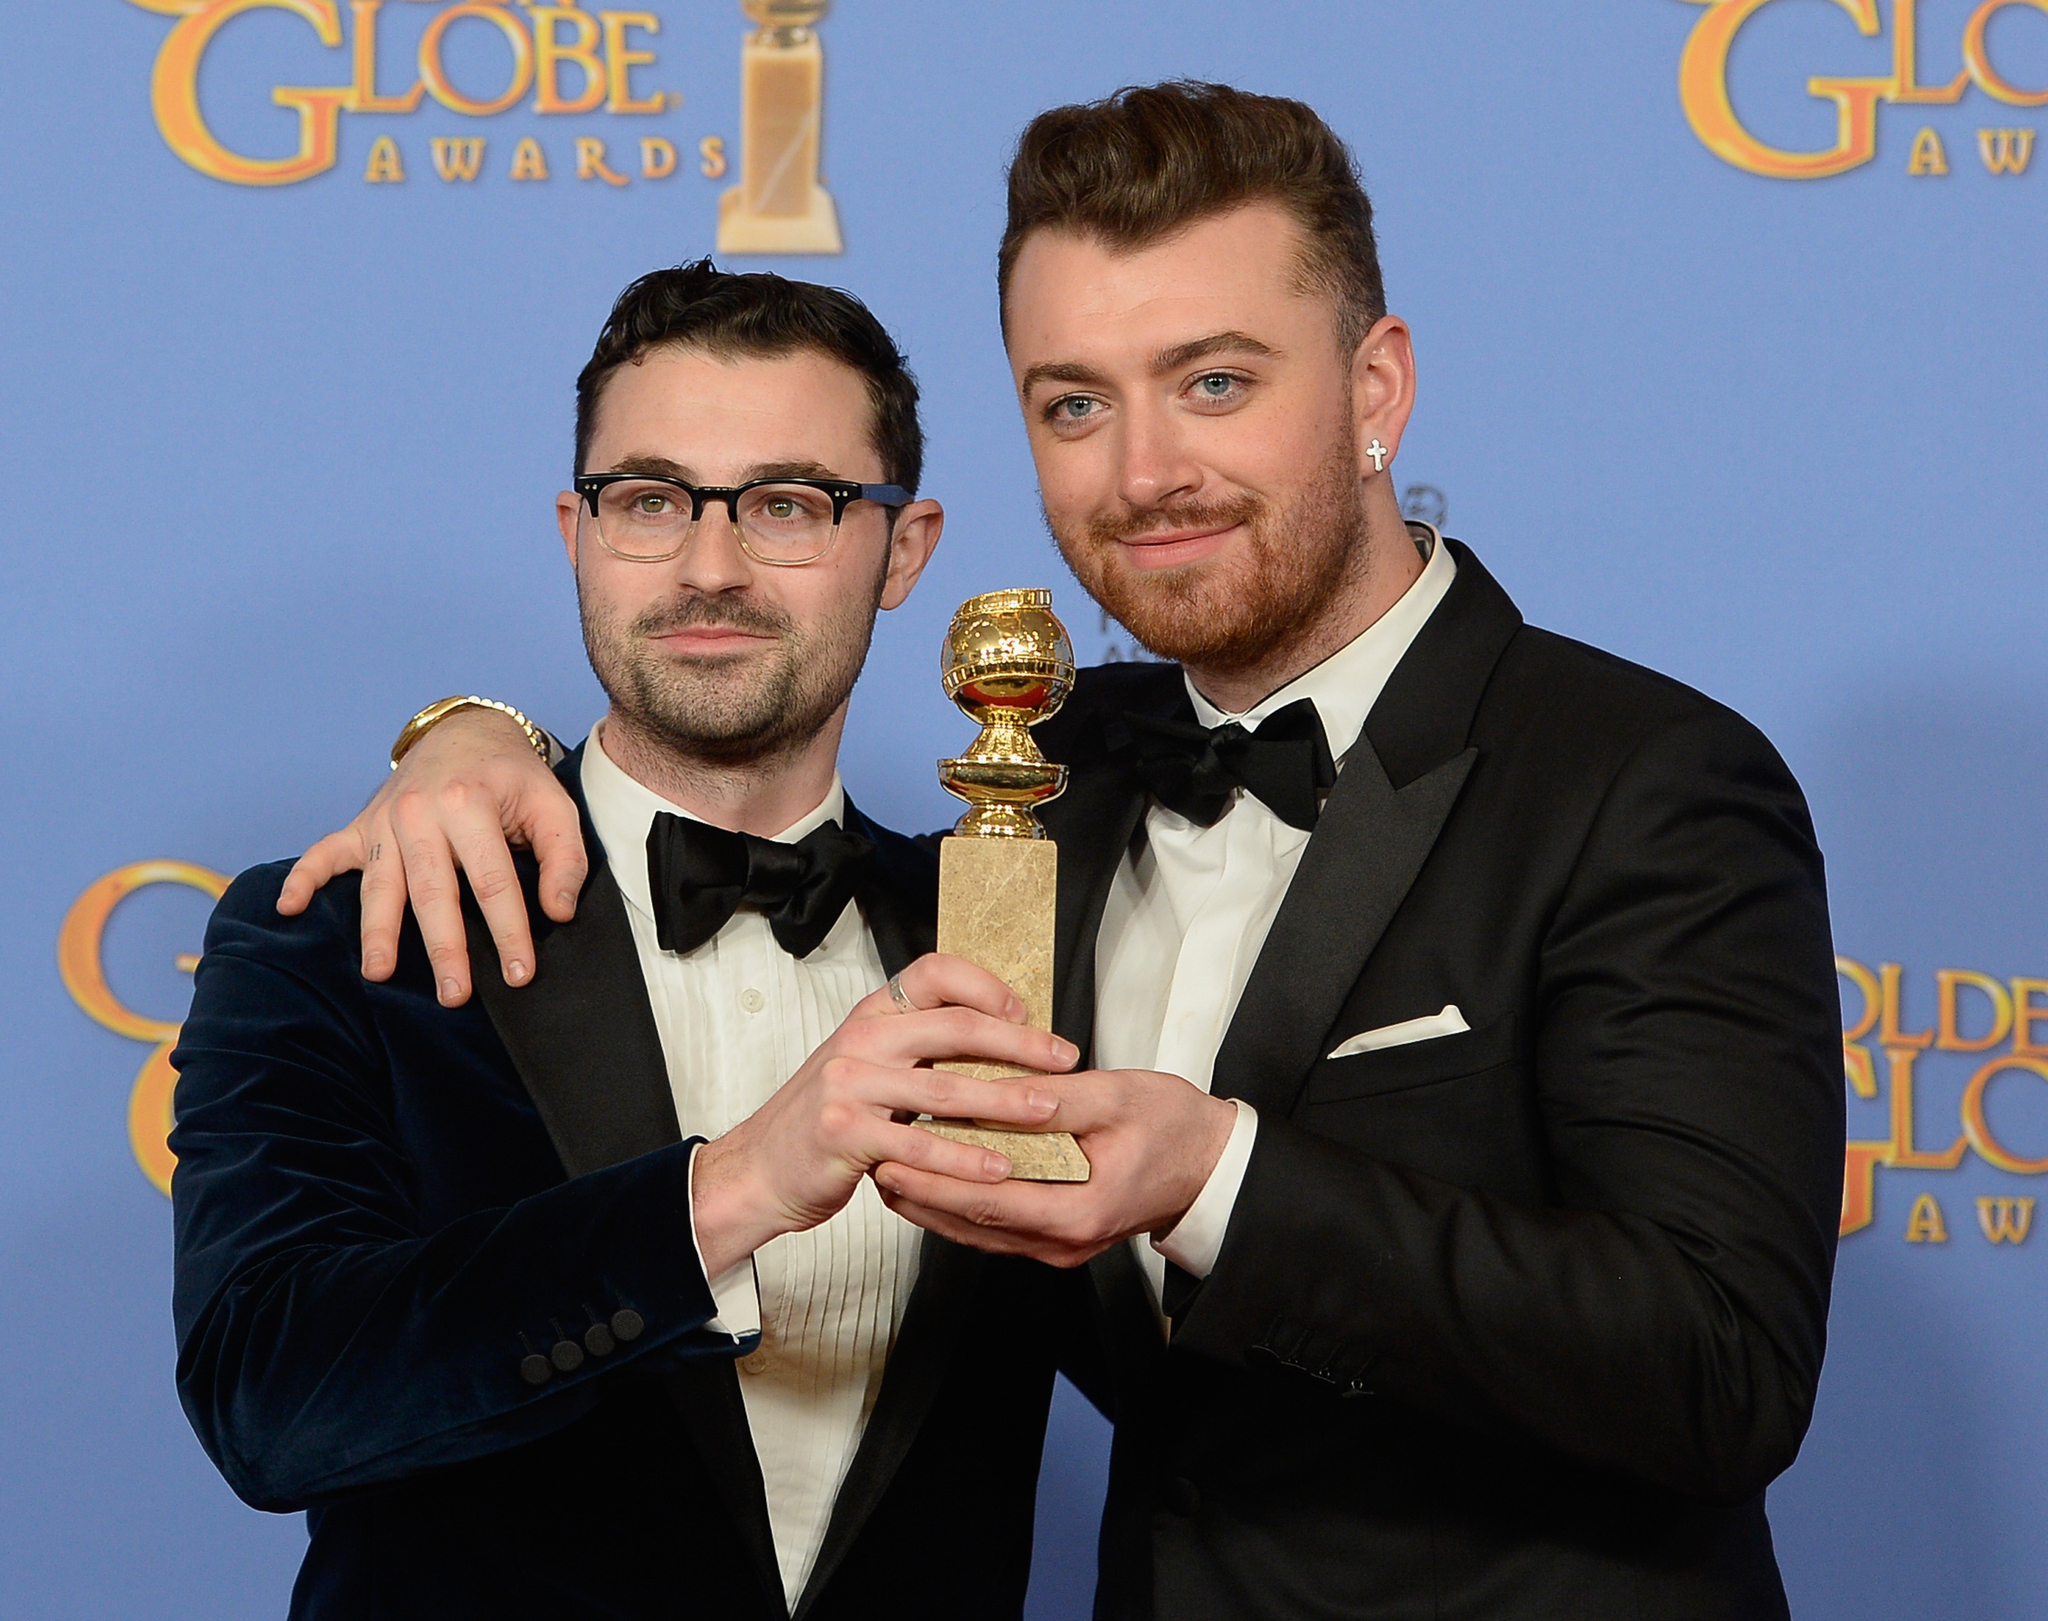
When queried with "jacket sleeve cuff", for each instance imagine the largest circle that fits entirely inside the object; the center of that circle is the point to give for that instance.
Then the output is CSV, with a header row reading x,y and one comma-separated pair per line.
x,y
1197,1239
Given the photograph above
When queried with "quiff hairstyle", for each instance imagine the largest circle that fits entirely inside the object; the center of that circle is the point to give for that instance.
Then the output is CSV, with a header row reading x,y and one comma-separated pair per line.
x,y
1151,160
758,316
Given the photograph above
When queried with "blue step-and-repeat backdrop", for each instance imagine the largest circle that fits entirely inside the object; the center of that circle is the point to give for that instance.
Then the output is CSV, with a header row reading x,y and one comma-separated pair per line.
x,y
1732,318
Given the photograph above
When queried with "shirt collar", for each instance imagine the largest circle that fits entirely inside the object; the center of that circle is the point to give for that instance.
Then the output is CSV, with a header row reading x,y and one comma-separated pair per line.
x,y
622,809
1348,683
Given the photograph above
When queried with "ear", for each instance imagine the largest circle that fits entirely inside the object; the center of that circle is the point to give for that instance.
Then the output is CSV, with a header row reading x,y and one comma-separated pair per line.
x,y
910,548
568,508
1382,390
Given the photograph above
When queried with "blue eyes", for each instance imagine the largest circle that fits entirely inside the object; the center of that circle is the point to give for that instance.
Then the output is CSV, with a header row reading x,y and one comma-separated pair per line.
x,y
1211,388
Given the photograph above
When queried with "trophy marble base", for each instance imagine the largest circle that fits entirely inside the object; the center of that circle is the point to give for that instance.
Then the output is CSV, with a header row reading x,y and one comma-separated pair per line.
x,y
1035,1156
815,230
996,910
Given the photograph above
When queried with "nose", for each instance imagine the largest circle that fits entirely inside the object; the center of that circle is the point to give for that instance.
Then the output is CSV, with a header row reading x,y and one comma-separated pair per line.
x,y
1156,464
712,559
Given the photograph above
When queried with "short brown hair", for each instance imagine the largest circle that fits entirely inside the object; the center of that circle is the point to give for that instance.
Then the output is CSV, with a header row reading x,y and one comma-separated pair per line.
x,y
763,316
1150,159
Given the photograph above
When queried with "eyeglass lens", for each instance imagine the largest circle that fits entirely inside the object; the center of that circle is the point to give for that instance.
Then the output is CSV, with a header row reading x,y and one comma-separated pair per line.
x,y
782,523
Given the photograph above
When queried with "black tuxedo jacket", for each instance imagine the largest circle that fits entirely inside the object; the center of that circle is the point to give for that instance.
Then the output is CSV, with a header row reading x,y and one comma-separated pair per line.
x,y
384,1208
1518,1322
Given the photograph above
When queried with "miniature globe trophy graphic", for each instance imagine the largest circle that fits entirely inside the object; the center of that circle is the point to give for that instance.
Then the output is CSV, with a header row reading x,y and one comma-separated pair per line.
x,y
788,20
1008,663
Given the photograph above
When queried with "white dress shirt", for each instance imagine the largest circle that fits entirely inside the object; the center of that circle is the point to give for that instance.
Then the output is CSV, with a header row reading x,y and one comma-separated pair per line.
x,y
1190,907
737,1017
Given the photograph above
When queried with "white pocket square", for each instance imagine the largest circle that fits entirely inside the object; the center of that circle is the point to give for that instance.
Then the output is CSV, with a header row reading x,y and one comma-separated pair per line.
x,y
1447,1023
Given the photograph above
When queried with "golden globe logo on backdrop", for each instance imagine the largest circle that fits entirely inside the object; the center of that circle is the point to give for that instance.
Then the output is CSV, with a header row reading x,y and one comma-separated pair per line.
x,y
572,62
2003,149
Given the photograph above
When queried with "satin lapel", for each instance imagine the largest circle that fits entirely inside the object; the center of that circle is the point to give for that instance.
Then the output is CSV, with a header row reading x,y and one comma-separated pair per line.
x,y
1367,849
582,1035
1392,798
584,1041
705,1392
899,901
1093,823
917,1367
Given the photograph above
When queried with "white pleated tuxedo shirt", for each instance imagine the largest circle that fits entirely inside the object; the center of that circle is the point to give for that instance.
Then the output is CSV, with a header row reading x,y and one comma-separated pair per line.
x,y
1190,908
737,1017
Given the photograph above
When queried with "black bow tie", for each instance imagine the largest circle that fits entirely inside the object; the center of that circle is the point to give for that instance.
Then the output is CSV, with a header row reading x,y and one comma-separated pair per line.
x,y
1192,769
701,875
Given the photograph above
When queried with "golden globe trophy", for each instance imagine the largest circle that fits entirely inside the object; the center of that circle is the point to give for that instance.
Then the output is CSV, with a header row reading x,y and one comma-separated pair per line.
x,y
1006,662
778,206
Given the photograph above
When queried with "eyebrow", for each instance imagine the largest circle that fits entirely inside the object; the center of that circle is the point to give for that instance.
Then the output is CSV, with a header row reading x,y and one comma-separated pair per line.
x,y
662,467
1181,354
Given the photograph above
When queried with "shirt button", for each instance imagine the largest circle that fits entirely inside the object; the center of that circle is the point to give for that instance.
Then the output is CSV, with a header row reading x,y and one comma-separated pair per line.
x,y
757,1362
752,1000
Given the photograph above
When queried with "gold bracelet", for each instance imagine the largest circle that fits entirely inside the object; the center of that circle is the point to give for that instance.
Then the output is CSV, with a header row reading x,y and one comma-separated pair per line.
x,y
430,717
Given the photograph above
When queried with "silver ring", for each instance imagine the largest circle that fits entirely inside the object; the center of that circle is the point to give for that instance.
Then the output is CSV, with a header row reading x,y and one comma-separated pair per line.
x,y
901,998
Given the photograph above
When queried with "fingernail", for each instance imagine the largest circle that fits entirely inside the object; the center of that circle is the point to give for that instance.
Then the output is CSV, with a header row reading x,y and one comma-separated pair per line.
x,y
449,990
994,1166
568,898
1043,1102
515,973
374,962
886,1183
1013,1010
1068,1053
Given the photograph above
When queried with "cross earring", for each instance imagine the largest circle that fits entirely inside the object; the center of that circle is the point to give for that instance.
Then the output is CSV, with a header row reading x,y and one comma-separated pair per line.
x,y
1379,453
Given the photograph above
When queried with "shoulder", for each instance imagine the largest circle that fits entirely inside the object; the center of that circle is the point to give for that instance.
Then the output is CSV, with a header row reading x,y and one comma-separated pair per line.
x,y
908,866
249,907
1102,691
1589,703
319,951
1624,752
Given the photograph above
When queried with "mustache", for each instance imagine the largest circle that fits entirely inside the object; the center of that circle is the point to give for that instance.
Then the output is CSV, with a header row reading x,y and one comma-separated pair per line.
x,y
1108,528
724,612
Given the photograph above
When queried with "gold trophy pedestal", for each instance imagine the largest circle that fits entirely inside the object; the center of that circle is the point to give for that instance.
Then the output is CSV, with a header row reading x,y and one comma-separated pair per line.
x,y
1008,664
815,230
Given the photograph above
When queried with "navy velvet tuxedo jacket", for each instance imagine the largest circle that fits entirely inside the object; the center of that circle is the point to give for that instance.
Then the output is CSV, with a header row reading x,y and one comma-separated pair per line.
x,y
386,1209
1516,1323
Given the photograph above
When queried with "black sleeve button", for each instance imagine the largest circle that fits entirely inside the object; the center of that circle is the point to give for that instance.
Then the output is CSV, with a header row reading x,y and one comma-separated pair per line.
x,y
566,1355
627,1323
534,1369
599,1340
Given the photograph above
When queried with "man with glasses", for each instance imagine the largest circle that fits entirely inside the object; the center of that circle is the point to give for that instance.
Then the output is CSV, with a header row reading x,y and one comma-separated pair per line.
x,y
1467,1127
581,1302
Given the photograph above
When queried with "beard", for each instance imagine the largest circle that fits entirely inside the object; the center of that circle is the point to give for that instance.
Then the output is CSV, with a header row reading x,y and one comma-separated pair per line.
x,y
1230,612
732,709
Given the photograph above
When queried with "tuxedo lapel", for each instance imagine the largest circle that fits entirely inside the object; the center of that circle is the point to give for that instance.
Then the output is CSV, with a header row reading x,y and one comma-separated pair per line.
x,y
1093,823
1368,847
582,1035
899,902
1397,788
917,1366
899,897
583,1039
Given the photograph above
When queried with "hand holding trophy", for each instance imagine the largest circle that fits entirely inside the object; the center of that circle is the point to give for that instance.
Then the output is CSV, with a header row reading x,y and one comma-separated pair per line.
x,y
1008,663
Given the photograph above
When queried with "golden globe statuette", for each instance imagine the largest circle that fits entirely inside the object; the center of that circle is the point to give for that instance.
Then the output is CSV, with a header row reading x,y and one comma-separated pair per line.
x,y
1008,663
778,206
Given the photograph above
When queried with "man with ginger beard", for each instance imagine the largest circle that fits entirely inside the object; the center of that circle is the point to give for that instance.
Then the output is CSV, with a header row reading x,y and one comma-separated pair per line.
x,y
1465,1107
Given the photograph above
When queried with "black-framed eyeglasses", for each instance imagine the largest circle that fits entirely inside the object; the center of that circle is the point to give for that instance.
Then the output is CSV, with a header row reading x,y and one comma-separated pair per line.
x,y
783,522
